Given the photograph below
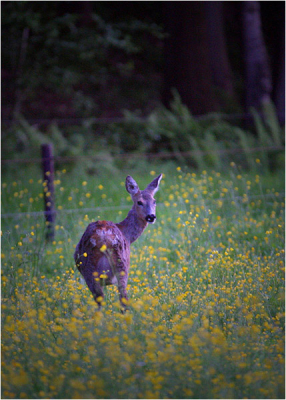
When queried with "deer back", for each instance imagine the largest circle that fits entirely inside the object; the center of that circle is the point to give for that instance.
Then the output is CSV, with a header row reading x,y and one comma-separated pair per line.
x,y
104,249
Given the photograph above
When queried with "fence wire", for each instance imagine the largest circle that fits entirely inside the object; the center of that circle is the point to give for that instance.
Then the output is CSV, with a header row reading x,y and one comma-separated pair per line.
x,y
126,206
191,153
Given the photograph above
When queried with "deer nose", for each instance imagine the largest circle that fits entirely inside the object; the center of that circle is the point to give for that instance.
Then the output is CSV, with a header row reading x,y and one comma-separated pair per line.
x,y
150,218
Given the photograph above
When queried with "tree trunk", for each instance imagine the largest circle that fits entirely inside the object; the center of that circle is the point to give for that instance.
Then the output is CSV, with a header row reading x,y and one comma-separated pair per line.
x,y
86,19
279,97
187,66
221,70
258,81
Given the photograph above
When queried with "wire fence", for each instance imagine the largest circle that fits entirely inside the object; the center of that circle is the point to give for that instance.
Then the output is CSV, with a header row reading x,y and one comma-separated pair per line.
x,y
163,155
51,213
245,117
267,196
242,117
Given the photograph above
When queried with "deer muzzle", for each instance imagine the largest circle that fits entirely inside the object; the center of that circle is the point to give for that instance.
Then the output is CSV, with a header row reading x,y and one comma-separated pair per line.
x,y
151,218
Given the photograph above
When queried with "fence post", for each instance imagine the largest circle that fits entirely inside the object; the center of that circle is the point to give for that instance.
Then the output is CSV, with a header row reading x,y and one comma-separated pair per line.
x,y
48,171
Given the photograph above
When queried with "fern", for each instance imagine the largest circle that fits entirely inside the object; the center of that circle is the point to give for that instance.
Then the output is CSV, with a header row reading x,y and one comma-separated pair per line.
x,y
211,145
267,126
246,142
197,153
272,122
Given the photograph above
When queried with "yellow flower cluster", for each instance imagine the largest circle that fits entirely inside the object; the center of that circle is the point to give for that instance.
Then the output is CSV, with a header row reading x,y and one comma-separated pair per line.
x,y
206,299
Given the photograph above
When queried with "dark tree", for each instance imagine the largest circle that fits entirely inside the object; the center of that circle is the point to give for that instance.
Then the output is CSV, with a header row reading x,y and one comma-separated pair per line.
x,y
187,62
279,97
220,66
74,59
258,80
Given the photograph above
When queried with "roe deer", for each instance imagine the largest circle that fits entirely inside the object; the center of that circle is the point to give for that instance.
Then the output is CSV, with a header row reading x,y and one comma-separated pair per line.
x,y
103,253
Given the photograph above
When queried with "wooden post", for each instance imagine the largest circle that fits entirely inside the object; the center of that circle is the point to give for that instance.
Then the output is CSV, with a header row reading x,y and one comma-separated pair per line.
x,y
48,171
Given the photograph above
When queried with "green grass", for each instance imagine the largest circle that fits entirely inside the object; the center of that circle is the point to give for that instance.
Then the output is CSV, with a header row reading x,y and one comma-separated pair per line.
x,y
206,289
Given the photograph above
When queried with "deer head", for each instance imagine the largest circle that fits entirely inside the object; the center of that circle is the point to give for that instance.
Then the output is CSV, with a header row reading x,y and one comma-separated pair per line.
x,y
144,202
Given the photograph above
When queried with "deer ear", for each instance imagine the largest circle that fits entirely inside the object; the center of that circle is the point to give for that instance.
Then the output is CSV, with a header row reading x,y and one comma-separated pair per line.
x,y
131,186
153,187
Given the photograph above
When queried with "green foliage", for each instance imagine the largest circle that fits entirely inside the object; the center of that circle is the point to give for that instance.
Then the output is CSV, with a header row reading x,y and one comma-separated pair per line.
x,y
268,127
204,142
77,146
53,51
269,132
208,142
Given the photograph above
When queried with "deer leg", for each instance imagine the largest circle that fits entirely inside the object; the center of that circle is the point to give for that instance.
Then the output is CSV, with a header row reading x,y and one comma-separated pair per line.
x,y
123,299
120,270
94,285
122,278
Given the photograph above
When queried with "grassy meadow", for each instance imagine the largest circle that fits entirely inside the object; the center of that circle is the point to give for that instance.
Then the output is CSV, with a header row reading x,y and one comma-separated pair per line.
x,y
206,288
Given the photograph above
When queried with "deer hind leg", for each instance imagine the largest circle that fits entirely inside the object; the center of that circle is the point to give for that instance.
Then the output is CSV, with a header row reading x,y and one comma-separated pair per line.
x,y
123,298
120,272
122,278
94,285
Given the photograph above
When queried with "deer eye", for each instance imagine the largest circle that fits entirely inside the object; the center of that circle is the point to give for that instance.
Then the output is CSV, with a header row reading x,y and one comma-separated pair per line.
x,y
140,203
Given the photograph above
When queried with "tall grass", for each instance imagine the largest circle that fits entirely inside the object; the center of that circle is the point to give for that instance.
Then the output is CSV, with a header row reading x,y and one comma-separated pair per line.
x,y
206,288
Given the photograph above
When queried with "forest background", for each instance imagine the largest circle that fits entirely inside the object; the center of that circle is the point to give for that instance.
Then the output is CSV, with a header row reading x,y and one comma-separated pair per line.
x,y
130,77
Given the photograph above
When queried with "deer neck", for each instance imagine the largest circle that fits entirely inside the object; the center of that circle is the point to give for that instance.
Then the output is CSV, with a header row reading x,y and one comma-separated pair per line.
x,y
132,227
